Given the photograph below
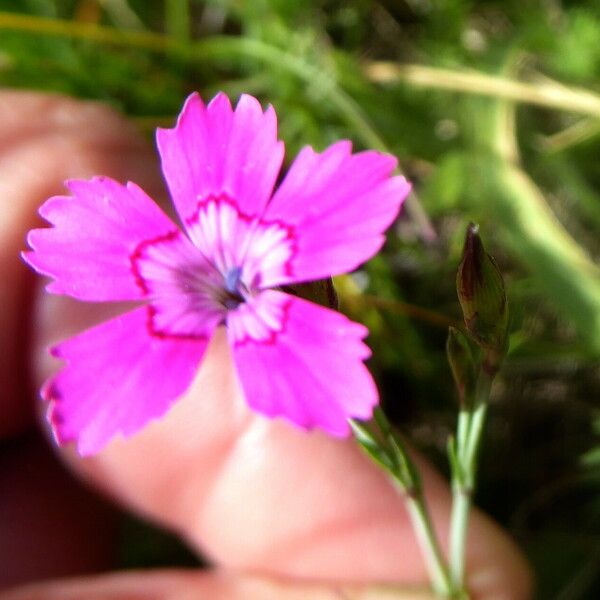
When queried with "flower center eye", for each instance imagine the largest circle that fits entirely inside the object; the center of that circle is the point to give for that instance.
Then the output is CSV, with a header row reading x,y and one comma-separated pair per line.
x,y
232,280
232,294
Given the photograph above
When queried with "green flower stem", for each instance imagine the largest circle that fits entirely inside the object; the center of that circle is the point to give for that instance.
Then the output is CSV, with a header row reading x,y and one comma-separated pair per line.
x,y
428,543
387,449
470,426
474,440
461,507
177,19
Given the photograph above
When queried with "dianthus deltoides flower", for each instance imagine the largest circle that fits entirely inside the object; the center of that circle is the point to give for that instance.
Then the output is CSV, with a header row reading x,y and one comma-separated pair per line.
x,y
238,243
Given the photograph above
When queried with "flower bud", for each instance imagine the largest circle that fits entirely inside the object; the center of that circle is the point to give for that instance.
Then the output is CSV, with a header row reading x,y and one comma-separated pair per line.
x,y
462,364
482,297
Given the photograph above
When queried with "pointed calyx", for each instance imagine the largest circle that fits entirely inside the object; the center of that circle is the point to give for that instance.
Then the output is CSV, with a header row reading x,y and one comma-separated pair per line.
x,y
482,297
320,292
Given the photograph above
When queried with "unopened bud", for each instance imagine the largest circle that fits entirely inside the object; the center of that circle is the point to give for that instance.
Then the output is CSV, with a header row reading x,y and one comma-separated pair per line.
x,y
482,297
462,364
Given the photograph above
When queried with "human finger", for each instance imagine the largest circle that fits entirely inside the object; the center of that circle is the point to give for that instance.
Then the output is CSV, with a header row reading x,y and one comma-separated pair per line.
x,y
257,495
183,585
261,496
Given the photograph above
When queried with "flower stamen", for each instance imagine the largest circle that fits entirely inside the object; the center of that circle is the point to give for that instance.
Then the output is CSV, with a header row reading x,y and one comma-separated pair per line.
x,y
232,294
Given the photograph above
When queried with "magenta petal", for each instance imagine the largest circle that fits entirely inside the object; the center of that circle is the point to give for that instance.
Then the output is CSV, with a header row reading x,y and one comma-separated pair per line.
x,y
302,362
117,378
215,151
339,204
96,231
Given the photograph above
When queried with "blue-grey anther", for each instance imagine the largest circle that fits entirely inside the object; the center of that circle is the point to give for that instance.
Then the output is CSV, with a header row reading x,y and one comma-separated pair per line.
x,y
232,280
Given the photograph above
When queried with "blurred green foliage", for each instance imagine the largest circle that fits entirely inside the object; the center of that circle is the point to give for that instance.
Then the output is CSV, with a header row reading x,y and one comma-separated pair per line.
x,y
520,161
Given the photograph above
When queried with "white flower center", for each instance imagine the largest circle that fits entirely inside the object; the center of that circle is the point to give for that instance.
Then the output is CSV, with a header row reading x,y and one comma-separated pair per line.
x,y
231,259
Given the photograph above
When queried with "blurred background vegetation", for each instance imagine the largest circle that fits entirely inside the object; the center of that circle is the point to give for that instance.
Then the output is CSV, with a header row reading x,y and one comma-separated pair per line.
x,y
493,108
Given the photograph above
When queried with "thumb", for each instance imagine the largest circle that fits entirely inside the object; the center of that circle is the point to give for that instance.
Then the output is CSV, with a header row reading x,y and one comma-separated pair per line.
x,y
260,496
184,585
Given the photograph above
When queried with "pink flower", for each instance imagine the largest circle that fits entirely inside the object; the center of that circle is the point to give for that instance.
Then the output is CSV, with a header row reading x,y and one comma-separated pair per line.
x,y
238,243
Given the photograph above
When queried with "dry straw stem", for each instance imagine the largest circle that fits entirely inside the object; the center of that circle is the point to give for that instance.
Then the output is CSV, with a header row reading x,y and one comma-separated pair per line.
x,y
579,132
86,31
404,308
548,94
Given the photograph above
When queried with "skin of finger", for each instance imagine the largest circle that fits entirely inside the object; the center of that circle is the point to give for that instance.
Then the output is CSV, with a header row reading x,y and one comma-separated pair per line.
x,y
221,476
43,141
184,585
262,496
